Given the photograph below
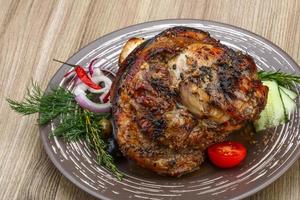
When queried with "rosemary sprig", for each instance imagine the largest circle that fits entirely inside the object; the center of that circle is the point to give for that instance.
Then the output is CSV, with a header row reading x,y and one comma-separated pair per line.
x,y
283,79
75,123
96,142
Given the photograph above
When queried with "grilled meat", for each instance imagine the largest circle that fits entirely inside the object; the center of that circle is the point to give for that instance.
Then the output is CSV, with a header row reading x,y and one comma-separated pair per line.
x,y
178,93
130,45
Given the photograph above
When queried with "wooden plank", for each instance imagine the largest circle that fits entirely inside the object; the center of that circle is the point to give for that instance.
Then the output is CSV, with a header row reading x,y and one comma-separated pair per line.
x,y
34,32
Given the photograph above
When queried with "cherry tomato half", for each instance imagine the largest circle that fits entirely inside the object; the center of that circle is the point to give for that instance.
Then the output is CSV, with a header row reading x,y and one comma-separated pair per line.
x,y
227,154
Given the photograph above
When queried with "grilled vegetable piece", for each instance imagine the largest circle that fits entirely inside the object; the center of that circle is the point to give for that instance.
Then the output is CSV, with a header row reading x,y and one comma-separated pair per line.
x,y
129,46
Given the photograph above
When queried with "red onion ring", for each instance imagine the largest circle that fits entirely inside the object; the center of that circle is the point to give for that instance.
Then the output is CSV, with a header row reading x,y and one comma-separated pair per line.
x,y
81,95
84,102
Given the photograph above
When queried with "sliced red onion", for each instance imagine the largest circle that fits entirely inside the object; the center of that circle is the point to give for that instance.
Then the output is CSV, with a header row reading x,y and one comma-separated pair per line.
x,y
71,72
81,89
86,103
109,71
98,72
98,79
103,96
91,66
76,80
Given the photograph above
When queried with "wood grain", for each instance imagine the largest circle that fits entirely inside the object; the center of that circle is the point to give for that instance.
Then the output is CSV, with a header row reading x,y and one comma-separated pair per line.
x,y
34,32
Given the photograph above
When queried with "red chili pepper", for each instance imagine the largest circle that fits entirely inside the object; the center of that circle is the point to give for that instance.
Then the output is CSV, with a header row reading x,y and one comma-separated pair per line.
x,y
82,75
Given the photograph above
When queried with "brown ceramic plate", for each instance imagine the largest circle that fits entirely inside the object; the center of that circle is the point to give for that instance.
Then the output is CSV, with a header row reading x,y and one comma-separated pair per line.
x,y
273,153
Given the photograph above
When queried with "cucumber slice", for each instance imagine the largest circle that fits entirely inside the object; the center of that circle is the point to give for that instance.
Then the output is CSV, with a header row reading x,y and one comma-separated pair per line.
x,y
289,103
288,92
274,112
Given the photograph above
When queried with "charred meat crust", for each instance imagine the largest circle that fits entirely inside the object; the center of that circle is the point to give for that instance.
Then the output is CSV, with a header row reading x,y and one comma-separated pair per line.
x,y
179,92
129,62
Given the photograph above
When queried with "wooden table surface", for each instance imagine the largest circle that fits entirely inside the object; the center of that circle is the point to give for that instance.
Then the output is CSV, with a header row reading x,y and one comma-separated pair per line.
x,y
33,32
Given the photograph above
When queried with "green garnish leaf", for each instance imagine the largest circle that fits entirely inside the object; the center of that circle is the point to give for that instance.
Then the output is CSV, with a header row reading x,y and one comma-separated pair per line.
x,y
75,122
31,103
283,79
281,99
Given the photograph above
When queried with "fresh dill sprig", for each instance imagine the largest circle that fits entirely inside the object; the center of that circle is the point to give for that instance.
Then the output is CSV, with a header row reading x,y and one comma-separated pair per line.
x,y
58,101
49,106
283,79
31,103
71,126
75,123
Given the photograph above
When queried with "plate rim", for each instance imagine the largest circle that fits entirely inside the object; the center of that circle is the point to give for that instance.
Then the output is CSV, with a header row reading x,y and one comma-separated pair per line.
x,y
56,79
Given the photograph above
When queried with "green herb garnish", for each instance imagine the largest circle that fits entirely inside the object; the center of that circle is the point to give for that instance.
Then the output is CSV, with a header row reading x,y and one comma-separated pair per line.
x,y
283,79
281,99
94,140
75,122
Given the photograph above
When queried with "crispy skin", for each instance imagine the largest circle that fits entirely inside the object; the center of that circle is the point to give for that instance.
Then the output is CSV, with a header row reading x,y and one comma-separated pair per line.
x,y
178,93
